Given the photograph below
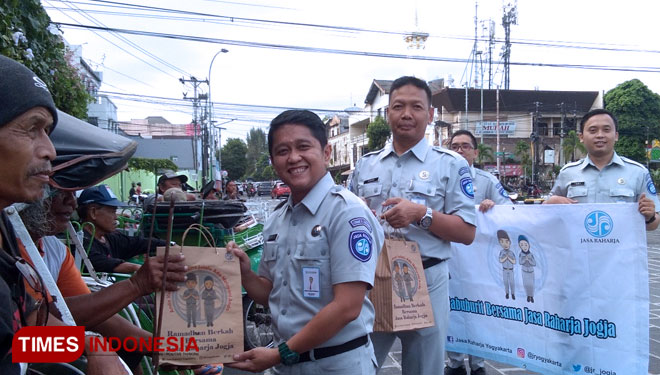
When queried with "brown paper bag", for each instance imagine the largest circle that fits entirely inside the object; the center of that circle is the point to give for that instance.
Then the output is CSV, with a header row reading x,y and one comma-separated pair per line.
x,y
400,294
207,307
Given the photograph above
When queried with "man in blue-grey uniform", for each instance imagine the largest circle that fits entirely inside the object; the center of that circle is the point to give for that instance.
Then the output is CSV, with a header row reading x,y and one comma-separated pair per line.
x,y
603,176
488,191
319,260
425,193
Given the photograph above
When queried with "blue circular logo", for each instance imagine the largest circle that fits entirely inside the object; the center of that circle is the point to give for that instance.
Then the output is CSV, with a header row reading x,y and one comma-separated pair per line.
x,y
650,186
466,187
598,224
359,242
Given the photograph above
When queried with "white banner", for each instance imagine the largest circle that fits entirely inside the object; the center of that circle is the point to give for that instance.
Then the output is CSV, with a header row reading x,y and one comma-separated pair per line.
x,y
580,280
490,127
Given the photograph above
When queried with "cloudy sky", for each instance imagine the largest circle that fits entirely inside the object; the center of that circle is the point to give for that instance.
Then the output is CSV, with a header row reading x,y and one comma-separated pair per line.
x,y
323,55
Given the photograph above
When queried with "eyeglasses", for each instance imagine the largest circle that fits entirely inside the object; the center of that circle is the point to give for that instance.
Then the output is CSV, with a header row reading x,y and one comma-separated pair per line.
x,y
464,146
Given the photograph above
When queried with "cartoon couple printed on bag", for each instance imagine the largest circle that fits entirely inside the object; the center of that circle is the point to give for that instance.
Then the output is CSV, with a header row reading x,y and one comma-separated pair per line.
x,y
191,296
508,259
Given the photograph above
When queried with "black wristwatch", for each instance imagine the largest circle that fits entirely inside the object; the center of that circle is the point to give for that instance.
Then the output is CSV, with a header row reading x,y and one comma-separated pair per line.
x,y
425,221
649,221
288,356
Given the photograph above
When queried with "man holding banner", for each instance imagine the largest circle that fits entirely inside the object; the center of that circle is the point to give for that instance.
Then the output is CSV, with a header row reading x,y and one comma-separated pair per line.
x,y
488,191
603,176
425,193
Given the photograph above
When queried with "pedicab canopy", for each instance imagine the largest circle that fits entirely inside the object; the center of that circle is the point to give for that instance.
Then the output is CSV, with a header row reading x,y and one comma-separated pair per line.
x,y
86,154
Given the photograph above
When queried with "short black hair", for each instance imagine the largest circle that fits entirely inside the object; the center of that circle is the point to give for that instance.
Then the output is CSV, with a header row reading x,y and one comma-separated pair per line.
x,y
599,111
298,117
410,80
464,132
502,234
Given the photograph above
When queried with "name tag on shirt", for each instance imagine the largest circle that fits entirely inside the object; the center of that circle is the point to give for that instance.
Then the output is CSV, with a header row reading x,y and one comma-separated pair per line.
x,y
421,201
311,282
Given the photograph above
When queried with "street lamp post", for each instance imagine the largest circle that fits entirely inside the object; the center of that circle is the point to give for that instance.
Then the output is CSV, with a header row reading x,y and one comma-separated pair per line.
x,y
210,110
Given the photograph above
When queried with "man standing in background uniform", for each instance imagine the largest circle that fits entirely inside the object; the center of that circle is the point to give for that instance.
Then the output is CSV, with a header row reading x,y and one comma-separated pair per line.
x,y
603,176
323,232
430,193
488,191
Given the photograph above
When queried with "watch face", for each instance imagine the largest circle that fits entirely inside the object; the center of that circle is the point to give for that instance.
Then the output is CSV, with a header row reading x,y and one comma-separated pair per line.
x,y
425,222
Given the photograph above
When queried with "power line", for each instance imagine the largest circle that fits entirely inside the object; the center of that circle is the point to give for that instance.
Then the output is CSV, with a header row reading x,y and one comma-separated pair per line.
x,y
73,7
231,20
641,69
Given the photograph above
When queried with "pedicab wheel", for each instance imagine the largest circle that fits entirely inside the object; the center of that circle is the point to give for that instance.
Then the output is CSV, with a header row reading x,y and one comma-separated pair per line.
x,y
258,330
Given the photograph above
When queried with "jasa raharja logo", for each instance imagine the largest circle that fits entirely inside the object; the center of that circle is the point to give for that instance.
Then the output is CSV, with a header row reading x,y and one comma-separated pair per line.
x,y
599,225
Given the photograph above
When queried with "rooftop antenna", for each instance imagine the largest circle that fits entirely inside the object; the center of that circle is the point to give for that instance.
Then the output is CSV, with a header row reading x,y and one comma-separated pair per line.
x,y
509,18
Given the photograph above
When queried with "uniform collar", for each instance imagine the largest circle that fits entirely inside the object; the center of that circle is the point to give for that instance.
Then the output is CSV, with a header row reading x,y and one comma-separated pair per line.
x,y
616,159
315,196
419,150
473,171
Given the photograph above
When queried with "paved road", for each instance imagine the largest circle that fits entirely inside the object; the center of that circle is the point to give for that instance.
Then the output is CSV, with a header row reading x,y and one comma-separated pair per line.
x,y
393,364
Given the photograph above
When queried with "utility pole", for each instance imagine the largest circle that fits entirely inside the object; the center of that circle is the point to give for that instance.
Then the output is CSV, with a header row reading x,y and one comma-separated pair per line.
x,y
535,143
562,133
497,129
204,134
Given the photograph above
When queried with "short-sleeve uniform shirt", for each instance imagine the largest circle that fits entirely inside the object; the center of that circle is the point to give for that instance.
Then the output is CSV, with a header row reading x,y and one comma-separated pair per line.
x,y
486,186
622,180
328,238
435,177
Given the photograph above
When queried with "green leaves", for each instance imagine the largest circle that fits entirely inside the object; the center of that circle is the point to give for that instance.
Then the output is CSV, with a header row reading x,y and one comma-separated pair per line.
x,y
29,17
151,165
378,132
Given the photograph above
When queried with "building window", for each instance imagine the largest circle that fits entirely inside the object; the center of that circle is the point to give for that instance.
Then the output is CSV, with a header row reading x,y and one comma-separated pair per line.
x,y
93,120
556,127
542,128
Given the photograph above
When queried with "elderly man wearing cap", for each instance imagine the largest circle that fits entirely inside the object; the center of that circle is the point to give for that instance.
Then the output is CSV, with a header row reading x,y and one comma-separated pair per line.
x,y
27,117
169,180
109,248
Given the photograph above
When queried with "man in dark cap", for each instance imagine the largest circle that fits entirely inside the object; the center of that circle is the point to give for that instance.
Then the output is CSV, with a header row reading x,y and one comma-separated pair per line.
x,y
27,117
169,180
110,249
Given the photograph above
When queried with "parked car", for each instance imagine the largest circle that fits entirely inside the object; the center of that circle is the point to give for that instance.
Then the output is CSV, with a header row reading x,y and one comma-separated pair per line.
x,y
280,189
264,188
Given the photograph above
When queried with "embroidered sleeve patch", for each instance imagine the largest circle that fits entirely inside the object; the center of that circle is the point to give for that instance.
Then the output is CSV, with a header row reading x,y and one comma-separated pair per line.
x,y
466,187
360,221
649,185
360,243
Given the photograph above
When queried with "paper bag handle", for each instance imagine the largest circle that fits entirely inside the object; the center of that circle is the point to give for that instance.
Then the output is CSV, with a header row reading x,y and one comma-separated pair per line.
x,y
205,233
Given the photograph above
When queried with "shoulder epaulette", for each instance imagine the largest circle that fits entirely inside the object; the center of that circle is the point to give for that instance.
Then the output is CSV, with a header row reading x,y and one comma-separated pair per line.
x,y
372,153
446,151
573,164
630,161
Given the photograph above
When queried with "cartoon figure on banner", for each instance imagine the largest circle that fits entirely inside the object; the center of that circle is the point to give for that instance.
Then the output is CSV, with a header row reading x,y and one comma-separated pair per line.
x,y
191,296
527,264
209,297
398,282
507,258
213,293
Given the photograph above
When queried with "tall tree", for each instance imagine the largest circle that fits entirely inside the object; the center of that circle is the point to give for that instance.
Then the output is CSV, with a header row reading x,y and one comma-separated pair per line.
x,y
572,143
378,131
256,148
637,109
233,158
485,153
264,171
522,152
27,36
